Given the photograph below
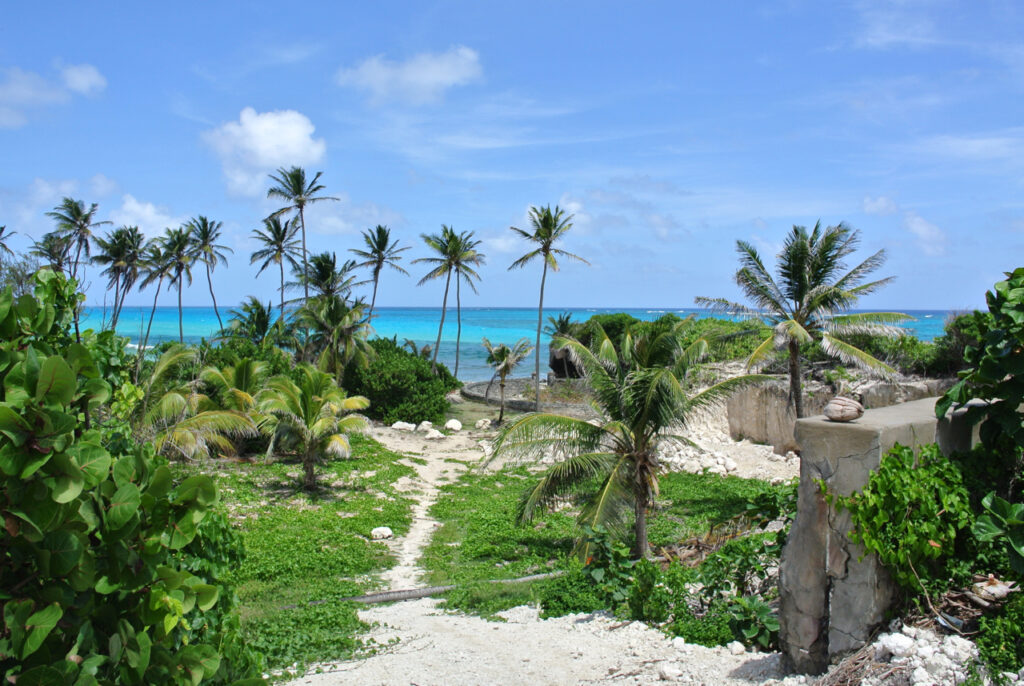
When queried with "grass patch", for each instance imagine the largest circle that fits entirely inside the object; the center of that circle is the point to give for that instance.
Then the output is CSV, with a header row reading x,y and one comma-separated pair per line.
x,y
303,547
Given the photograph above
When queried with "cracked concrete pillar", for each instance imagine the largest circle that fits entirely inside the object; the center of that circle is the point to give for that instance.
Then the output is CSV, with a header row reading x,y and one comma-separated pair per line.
x,y
831,599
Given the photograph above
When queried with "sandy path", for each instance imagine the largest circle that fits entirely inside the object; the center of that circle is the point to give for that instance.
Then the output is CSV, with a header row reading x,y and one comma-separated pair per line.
x,y
430,646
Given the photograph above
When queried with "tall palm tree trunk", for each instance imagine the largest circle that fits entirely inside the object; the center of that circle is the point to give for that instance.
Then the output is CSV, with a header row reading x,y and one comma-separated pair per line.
x,y
309,468
795,390
373,298
501,412
305,264
120,304
181,328
281,264
444,308
640,525
540,322
117,297
458,321
209,282
145,340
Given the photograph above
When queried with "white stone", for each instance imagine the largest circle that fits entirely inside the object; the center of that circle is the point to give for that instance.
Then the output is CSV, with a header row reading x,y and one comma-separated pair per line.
x,y
730,465
679,643
707,462
453,425
937,665
717,469
403,426
921,676
381,532
691,467
736,648
669,671
483,424
433,434
424,427
897,645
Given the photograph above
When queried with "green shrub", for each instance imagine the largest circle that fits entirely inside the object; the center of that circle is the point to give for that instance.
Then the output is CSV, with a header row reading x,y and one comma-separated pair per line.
x,y
105,572
710,628
910,514
1000,639
570,593
400,386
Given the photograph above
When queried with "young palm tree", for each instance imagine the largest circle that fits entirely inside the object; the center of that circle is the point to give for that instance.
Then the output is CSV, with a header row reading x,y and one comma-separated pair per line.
x,y
252,320
76,222
337,334
204,235
456,254
548,226
54,248
504,360
293,189
177,251
640,387
808,300
380,251
325,278
309,417
237,385
279,246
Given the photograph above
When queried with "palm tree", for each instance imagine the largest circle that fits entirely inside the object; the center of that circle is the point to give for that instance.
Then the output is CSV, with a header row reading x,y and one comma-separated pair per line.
x,y
252,321
77,223
177,250
237,385
337,334
380,251
640,387
810,298
122,253
279,246
204,234
504,360
4,236
323,276
54,248
456,254
293,189
548,226
309,417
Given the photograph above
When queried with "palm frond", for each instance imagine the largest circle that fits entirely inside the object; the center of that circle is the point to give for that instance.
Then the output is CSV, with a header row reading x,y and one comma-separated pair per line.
x,y
848,354
559,479
532,434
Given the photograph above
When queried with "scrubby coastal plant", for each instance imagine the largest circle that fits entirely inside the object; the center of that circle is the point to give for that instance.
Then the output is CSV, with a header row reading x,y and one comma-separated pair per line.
x,y
811,299
310,418
640,388
548,227
504,360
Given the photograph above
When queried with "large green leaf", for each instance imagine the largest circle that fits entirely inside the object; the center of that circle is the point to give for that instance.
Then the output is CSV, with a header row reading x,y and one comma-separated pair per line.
x,y
123,505
206,595
70,479
13,426
184,530
199,661
199,489
41,676
93,460
38,627
65,551
56,381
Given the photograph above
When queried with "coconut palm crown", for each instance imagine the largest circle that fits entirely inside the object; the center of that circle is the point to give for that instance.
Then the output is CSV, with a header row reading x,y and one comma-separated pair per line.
x,y
548,227
204,234
811,299
640,390
380,251
76,222
279,246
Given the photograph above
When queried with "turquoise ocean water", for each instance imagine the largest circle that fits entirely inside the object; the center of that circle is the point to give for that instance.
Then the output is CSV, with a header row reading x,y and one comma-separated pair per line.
x,y
499,324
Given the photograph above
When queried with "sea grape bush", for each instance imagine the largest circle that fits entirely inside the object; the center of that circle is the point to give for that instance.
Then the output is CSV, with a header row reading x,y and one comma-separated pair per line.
x,y
96,544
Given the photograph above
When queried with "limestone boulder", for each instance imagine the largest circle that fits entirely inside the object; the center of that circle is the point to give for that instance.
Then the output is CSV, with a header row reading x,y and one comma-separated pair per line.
x,y
433,435
483,424
453,425
424,427
403,426
381,532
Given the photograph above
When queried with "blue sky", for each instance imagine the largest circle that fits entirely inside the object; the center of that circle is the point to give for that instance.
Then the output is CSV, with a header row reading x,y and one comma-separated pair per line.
x,y
669,129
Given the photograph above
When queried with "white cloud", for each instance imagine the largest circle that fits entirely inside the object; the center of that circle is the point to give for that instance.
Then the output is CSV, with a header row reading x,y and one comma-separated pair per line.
x,y
894,25
344,217
101,185
421,79
260,142
152,219
881,205
930,238
22,91
665,226
83,78
1000,145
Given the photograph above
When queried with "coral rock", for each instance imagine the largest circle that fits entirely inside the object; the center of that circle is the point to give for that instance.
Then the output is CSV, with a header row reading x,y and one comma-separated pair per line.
x,y
453,425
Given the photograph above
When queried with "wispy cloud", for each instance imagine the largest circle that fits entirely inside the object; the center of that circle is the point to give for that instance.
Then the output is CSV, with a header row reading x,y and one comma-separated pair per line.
x,y
23,91
421,79
259,142
894,24
930,238
880,205
996,145
149,217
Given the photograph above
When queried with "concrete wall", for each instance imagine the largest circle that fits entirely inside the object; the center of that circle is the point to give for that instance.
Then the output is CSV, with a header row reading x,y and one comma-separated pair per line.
x,y
763,414
831,600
